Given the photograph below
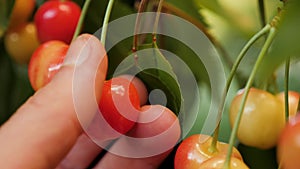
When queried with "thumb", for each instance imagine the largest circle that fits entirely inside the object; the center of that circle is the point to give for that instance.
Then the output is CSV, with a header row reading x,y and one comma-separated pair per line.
x,y
45,128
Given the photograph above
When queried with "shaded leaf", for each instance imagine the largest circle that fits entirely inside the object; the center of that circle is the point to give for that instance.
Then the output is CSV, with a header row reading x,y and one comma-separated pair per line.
x,y
156,72
188,7
286,43
5,11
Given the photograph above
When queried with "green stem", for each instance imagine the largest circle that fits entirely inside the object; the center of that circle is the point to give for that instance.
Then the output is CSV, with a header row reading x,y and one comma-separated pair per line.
x,y
246,92
286,88
105,21
262,12
160,5
230,78
81,19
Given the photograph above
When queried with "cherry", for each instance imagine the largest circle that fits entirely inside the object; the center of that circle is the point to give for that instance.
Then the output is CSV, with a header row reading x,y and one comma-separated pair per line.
x,y
57,20
120,104
217,162
194,150
45,62
21,41
293,101
288,147
21,12
262,120
140,87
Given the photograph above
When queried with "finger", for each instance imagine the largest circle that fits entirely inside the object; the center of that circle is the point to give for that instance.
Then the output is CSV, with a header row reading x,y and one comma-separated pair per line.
x,y
153,141
81,155
45,128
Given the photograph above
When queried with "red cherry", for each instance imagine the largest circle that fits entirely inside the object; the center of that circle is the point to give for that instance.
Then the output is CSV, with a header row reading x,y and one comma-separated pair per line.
x,y
45,62
57,20
288,147
195,149
119,104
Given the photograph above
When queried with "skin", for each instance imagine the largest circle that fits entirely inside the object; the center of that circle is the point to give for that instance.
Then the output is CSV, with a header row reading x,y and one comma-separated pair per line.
x,y
46,141
218,163
288,147
293,101
62,22
20,42
194,150
21,12
262,121
45,62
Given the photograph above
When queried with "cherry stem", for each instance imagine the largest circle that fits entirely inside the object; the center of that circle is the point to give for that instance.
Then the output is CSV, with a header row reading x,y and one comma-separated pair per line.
x,y
155,27
142,7
230,78
258,62
81,19
286,88
105,21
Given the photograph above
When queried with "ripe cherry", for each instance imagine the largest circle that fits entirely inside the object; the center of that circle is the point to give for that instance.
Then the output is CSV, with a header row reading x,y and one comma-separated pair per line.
x,y
119,104
293,101
218,162
288,147
57,20
194,150
21,41
45,62
21,12
262,120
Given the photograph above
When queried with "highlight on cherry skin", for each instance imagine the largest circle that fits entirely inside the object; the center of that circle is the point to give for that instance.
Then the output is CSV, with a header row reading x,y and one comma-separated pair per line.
x,y
120,101
196,149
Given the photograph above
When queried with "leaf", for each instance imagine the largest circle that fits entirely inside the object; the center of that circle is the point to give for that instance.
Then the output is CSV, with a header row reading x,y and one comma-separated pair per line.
x,y
5,11
156,72
96,11
189,8
212,5
6,78
286,43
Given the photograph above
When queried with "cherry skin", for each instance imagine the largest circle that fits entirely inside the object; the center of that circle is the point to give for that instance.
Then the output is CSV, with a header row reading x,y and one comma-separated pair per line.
x,y
194,150
217,162
288,147
21,12
57,20
262,120
45,62
140,87
21,41
293,101
119,104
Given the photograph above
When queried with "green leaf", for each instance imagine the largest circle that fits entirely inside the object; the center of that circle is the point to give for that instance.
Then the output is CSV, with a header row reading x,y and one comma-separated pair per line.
x,y
5,11
286,43
212,5
156,72
6,78
96,11
189,8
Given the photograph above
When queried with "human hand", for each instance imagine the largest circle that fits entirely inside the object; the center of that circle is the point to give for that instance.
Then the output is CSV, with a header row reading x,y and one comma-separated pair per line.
x,y
47,131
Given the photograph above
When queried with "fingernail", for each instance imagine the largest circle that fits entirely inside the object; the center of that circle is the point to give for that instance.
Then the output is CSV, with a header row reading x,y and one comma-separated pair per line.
x,y
79,51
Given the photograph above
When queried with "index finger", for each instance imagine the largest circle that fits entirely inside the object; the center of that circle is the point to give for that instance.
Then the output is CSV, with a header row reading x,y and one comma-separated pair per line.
x,y
45,128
